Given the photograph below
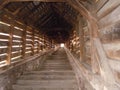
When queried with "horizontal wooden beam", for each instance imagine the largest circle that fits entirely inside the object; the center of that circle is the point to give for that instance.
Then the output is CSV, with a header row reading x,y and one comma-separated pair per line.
x,y
39,0
3,3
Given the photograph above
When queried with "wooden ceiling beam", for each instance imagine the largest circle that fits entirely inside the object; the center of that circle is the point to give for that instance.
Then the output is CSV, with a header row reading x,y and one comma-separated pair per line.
x,y
20,8
40,14
79,7
58,29
41,20
46,21
32,11
3,3
61,13
38,0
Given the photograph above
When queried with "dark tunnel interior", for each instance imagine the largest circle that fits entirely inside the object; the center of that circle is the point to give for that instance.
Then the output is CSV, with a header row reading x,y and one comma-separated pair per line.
x,y
54,19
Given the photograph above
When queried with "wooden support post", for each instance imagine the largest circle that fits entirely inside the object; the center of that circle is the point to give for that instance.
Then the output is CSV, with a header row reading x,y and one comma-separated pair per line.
x,y
24,42
44,42
9,51
51,44
81,35
75,43
92,50
38,50
40,42
33,41
69,44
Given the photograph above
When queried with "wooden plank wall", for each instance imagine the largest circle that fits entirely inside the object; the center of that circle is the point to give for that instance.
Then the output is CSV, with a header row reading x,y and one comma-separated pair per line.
x,y
76,47
108,17
18,41
109,20
74,44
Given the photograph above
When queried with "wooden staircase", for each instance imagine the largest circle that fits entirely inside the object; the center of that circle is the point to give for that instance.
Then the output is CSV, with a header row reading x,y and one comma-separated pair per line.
x,y
55,74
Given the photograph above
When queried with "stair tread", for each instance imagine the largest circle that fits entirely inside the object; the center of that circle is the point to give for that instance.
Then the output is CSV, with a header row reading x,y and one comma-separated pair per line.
x,y
46,77
47,81
37,87
56,73
49,85
60,72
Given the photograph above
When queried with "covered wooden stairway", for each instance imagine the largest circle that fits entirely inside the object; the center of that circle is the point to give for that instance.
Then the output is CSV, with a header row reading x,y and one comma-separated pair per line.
x,y
54,74
59,44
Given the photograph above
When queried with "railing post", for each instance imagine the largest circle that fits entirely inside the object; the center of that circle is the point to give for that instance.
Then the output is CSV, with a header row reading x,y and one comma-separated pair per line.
x,y
24,42
38,50
44,42
81,36
9,51
33,41
40,42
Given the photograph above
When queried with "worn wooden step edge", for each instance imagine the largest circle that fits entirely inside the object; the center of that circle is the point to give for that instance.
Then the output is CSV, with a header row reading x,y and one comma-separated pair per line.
x,y
52,71
46,82
38,87
40,76
47,77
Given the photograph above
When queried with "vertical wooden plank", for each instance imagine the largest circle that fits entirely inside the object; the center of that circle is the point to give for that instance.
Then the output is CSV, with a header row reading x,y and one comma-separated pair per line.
x,y
72,45
81,35
9,51
75,43
51,44
68,45
38,50
33,34
44,42
24,42
40,42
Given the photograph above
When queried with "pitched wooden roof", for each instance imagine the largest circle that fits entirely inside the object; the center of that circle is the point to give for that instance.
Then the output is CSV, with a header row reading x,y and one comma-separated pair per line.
x,y
53,17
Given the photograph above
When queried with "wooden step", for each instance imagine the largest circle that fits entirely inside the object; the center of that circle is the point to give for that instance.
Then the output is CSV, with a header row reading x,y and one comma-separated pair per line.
x,y
55,68
56,65
46,82
47,77
55,74
57,60
38,87
51,72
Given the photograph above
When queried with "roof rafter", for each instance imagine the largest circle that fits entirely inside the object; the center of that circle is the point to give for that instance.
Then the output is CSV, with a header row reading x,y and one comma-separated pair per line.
x,y
67,18
19,9
31,11
42,19
3,3
46,21
39,0
39,14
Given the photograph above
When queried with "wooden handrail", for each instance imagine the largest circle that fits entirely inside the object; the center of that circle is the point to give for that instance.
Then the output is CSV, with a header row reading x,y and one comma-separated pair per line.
x,y
113,63
84,73
78,64
25,60
99,80
106,71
